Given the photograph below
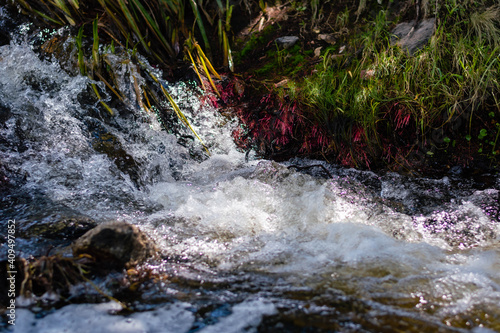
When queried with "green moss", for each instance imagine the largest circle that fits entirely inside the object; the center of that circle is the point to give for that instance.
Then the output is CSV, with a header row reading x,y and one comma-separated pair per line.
x,y
266,69
256,41
288,62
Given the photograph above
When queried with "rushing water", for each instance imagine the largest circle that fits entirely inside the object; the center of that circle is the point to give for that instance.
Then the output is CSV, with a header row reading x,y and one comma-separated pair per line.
x,y
250,245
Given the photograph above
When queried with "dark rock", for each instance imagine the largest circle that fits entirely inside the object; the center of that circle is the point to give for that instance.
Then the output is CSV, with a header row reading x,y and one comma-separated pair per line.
x,y
456,171
286,42
4,178
116,244
410,39
107,143
4,38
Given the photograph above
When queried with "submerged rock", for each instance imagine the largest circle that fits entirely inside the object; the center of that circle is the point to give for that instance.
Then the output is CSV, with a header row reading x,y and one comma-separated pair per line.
x,y
118,244
4,38
60,226
412,38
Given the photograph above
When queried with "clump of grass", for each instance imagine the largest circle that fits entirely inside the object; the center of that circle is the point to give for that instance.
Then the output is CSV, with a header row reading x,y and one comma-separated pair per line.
x,y
485,24
387,105
55,275
157,28
162,30
342,19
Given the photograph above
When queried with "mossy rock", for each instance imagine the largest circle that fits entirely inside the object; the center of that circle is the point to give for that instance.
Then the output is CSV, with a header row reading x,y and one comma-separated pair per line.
x,y
115,245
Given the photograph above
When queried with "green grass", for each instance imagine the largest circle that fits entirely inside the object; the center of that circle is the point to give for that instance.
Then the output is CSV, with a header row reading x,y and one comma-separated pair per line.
x,y
255,41
158,28
287,62
447,87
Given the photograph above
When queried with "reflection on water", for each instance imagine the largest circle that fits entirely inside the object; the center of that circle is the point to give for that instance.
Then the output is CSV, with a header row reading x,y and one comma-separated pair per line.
x,y
249,244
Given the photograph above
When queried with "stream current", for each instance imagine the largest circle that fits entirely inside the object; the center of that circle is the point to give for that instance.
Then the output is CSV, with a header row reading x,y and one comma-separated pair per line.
x,y
254,245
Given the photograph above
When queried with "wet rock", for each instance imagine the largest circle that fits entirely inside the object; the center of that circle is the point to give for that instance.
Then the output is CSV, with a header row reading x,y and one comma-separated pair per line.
x,y
4,178
60,227
286,42
107,143
413,39
116,244
489,202
463,226
456,171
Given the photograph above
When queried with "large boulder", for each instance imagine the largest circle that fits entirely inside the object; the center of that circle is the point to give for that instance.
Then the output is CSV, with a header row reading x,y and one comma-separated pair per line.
x,y
116,244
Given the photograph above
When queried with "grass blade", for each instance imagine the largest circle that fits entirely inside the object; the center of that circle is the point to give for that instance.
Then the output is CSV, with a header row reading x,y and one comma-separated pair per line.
x,y
61,4
101,78
116,20
75,4
195,68
206,62
39,13
95,45
177,110
208,76
199,22
154,27
106,106
132,24
81,61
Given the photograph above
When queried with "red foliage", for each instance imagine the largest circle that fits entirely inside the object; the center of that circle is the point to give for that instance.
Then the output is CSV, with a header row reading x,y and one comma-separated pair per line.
x,y
276,125
399,115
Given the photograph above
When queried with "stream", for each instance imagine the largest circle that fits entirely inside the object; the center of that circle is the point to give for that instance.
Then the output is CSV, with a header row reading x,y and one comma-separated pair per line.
x,y
249,245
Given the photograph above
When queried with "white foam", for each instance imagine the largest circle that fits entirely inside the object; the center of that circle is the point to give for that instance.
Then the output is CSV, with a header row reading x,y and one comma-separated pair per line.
x,y
99,318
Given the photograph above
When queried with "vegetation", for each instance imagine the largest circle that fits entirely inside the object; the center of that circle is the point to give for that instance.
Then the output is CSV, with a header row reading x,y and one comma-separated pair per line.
x,y
420,97
346,92
375,104
52,280
162,30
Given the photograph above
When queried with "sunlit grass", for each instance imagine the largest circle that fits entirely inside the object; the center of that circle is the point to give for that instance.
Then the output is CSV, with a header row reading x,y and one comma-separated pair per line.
x,y
486,24
457,72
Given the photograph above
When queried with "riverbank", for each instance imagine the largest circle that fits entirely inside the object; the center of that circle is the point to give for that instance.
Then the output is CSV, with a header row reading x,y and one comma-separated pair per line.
x,y
349,93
